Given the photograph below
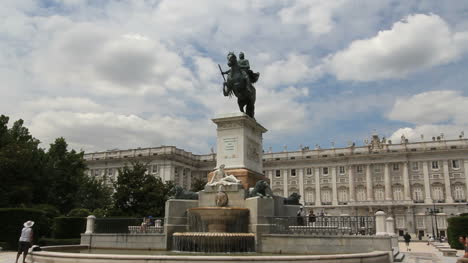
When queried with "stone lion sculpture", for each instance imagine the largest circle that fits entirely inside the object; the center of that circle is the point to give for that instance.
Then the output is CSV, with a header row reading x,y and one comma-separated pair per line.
x,y
181,193
262,188
293,199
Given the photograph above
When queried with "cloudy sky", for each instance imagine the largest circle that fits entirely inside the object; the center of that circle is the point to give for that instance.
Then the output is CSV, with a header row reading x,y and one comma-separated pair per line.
x,y
126,74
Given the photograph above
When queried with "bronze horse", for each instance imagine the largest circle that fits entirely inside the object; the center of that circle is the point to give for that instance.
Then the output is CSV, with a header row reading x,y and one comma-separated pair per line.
x,y
238,82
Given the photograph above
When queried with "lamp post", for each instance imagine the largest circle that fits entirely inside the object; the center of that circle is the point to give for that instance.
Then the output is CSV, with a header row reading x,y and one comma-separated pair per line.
x,y
433,213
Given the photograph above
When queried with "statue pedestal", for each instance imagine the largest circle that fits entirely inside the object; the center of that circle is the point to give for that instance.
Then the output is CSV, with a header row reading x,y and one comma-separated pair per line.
x,y
239,147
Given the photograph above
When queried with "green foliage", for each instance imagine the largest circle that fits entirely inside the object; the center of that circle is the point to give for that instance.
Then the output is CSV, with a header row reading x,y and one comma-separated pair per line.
x,y
79,212
94,194
50,210
99,212
138,193
20,165
198,184
11,223
457,226
58,242
68,227
65,172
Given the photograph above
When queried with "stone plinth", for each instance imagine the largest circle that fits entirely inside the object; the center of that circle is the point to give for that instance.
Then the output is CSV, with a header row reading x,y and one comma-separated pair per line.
x,y
239,142
247,177
235,193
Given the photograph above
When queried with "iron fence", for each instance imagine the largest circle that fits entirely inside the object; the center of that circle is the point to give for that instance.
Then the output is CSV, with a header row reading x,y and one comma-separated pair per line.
x,y
323,225
128,226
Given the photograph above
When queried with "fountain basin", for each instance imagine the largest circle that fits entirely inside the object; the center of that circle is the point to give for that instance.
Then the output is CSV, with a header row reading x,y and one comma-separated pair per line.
x,y
214,242
219,219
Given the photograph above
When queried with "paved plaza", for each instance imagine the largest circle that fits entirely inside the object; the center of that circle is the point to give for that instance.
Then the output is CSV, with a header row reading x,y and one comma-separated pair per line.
x,y
8,257
422,253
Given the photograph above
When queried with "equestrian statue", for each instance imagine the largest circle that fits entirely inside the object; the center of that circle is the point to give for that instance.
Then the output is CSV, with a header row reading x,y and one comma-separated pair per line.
x,y
239,82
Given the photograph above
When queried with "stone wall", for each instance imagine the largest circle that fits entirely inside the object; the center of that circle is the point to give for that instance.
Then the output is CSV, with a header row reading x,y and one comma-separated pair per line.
x,y
274,243
125,241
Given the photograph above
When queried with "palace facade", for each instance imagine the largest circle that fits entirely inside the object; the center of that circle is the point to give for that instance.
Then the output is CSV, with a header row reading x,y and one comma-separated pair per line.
x,y
419,184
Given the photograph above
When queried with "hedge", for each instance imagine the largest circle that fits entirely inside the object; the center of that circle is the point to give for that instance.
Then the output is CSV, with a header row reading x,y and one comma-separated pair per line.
x,y
58,242
68,227
11,223
457,226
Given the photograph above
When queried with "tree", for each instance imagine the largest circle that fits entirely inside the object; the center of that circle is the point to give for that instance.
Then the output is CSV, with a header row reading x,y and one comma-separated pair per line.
x,y
20,165
94,194
198,184
65,175
139,194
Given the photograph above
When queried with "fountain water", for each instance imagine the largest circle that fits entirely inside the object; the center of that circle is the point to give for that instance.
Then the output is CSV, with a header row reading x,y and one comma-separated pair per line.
x,y
216,229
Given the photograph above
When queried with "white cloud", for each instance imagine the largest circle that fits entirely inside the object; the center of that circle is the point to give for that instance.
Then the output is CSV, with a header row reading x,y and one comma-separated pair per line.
x,y
411,45
431,113
316,15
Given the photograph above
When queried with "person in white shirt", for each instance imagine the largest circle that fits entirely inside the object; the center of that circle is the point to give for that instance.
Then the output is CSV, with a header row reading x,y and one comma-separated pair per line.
x,y
25,240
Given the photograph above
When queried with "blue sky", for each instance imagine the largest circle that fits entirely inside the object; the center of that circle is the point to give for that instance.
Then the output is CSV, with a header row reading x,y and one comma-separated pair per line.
x,y
127,74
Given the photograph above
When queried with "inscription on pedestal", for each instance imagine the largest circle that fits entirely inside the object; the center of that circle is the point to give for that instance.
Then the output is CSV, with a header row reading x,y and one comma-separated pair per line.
x,y
230,147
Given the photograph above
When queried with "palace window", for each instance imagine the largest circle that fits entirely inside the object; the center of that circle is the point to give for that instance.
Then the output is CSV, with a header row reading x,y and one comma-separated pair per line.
x,y
325,170
417,193
343,195
293,172
309,171
377,168
420,224
154,169
97,172
441,221
278,173
110,171
342,170
435,165
379,193
359,168
455,164
396,166
415,166
437,193
326,195
459,192
309,197
400,222
361,194
397,193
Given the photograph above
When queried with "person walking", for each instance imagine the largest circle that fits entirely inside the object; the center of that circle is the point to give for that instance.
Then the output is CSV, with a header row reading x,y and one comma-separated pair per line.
x,y
407,238
25,240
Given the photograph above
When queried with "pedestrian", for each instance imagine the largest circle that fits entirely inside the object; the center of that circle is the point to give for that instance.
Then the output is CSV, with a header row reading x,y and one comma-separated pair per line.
x,y
407,238
300,216
464,241
312,218
25,240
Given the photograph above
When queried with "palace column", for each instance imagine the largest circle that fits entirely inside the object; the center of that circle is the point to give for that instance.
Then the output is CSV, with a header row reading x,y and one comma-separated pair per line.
x,y
317,187
369,187
352,195
270,176
301,184
465,164
448,188
427,186
285,183
406,183
334,190
388,183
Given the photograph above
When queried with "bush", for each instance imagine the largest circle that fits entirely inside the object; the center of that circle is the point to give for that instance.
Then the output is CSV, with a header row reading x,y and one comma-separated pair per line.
x,y
4,245
11,223
457,226
79,212
50,210
58,242
68,227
